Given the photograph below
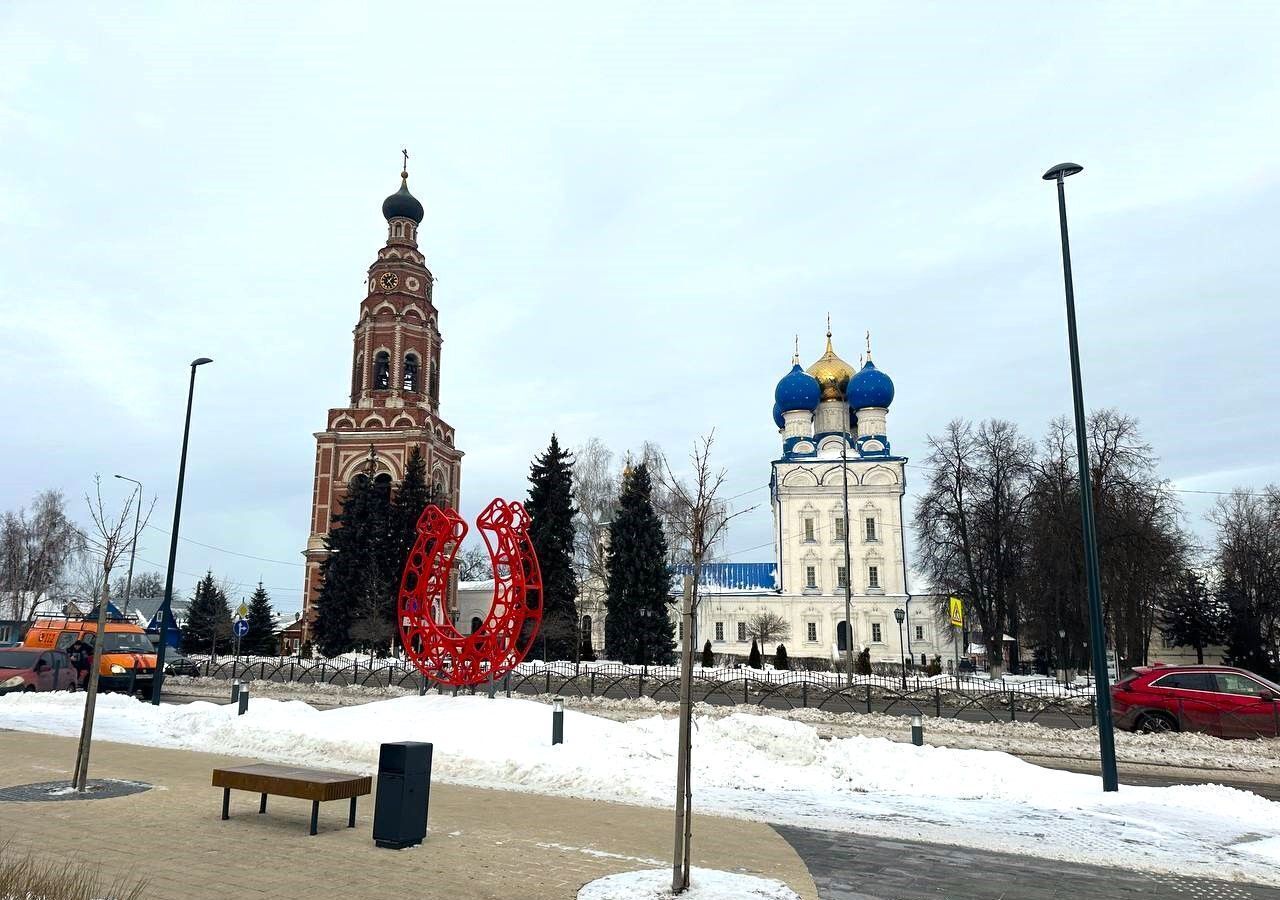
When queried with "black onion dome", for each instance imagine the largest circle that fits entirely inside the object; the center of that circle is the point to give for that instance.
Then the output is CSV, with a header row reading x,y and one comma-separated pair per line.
x,y
402,204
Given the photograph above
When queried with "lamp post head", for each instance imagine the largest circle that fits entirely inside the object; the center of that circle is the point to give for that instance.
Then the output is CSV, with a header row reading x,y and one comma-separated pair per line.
x,y
900,615
1062,632
200,362
1061,171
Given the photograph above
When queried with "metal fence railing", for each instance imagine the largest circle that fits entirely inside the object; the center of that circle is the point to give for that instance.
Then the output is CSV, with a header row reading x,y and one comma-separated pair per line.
x,y
972,699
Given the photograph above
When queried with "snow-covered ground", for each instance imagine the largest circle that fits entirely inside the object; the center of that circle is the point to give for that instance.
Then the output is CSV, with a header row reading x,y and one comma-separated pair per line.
x,y
751,766
1195,751
704,884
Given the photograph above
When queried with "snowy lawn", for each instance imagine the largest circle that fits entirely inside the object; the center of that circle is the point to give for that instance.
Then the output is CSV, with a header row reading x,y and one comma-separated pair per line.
x,y
704,884
749,766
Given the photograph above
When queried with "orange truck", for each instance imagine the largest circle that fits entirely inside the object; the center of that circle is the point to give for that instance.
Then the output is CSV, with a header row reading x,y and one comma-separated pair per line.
x,y
127,657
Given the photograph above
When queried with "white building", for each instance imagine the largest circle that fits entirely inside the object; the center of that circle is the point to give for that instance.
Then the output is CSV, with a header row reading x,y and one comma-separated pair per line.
x,y
835,443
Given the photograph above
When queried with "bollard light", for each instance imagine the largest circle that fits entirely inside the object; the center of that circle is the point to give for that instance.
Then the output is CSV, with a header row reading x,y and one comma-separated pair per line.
x,y
244,700
235,691
557,721
917,731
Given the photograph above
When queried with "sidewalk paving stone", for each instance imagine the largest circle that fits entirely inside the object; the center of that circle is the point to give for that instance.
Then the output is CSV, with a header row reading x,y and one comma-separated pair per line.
x,y
505,845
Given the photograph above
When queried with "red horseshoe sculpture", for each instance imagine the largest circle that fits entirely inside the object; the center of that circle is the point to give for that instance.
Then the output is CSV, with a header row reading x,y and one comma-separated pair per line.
x,y
435,645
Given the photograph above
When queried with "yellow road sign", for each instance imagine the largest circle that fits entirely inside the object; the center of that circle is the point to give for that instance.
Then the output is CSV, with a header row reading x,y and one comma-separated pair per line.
x,y
957,612
242,610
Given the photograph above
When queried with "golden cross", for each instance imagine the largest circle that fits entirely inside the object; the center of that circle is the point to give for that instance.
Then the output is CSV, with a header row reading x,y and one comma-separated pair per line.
x,y
405,153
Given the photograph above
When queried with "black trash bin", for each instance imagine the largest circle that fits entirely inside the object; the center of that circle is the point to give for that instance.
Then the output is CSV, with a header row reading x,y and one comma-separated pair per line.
x,y
404,792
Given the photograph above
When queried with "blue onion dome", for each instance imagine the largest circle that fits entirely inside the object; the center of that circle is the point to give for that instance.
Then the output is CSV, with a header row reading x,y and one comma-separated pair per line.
x,y
797,390
870,387
402,204
777,416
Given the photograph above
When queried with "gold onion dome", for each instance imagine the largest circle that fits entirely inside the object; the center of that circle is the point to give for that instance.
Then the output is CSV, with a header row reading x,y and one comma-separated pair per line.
x,y
832,372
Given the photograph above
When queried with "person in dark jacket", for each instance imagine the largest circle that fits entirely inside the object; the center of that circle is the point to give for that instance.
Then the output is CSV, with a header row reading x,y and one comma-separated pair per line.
x,y
81,655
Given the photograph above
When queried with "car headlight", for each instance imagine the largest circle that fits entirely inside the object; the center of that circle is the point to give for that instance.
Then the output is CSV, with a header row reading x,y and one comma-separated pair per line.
x,y
118,669
15,681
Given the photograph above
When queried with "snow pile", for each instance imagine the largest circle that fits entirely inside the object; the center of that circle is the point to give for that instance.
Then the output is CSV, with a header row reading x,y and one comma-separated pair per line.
x,y
759,767
704,884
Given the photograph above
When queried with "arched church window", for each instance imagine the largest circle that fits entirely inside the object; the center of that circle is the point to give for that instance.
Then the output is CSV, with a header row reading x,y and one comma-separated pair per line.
x,y
399,229
382,371
356,366
475,624
842,636
586,624
434,383
411,380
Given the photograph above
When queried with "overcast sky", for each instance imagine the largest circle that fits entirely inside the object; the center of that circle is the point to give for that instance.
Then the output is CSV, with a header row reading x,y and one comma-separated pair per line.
x,y
630,212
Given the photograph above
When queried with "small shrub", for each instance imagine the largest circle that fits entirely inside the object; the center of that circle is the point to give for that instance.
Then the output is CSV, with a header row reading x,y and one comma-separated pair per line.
x,y
753,659
934,667
780,658
41,878
708,658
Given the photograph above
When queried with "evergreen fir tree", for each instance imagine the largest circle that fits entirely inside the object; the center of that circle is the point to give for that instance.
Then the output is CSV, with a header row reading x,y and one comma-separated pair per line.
x,y
413,496
208,625
708,659
753,658
550,505
261,639
780,658
358,573
637,582
1192,616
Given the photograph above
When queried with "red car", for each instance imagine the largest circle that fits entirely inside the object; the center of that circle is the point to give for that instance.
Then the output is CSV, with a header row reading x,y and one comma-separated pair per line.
x,y
1217,700
26,669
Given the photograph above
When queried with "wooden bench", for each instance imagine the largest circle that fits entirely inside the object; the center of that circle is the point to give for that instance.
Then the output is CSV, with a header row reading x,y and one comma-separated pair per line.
x,y
316,785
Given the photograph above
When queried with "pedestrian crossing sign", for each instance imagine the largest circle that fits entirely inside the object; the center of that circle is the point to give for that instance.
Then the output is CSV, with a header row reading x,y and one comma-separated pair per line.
x,y
957,612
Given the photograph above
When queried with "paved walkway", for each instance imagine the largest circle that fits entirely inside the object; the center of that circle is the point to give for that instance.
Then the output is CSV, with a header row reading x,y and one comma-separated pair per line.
x,y
853,867
481,844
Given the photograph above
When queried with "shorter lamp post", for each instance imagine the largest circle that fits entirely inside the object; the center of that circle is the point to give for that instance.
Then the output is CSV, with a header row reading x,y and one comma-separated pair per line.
x,y
901,615
557,721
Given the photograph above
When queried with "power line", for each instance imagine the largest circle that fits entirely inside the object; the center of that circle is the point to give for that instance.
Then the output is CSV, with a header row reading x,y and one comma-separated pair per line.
x,y
279,562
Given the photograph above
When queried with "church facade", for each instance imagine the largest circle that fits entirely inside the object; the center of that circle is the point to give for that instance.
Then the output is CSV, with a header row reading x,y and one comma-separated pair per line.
x,y
394,403
836,491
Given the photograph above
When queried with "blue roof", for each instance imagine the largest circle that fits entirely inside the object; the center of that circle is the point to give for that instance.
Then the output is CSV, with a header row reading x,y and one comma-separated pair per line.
x,y
797,390
870,387
749,576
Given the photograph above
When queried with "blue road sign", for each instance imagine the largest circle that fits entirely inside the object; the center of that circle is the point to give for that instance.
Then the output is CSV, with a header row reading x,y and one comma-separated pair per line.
x,y
241,628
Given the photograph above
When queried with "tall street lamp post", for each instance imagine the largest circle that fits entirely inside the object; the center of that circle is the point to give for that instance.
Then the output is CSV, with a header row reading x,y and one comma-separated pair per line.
x,y
1097,637
848,572
901,615
166,606
1062,643
133,548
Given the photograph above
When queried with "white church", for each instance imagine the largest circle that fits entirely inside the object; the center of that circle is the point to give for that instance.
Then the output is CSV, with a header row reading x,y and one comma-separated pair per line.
x,y
833,423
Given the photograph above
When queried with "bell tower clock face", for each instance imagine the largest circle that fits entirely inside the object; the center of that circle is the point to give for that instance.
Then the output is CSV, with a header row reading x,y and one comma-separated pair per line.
x,y
389,281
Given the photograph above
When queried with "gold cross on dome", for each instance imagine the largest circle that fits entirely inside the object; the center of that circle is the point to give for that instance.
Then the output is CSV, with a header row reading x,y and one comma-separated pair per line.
x,y
405,171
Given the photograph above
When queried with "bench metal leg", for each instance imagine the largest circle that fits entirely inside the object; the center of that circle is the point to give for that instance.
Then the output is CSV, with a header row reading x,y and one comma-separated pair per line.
x,y
226,801
262,805
351,819
315,815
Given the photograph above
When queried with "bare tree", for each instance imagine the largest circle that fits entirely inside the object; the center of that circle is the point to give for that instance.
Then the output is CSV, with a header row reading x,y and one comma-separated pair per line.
x,y
595,495
472,564
767,627
698,520
110,538
1248,562
971,524
35,550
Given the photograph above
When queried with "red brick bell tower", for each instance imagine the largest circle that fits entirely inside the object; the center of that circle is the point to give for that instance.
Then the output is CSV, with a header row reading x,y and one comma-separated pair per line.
x,y
395,386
